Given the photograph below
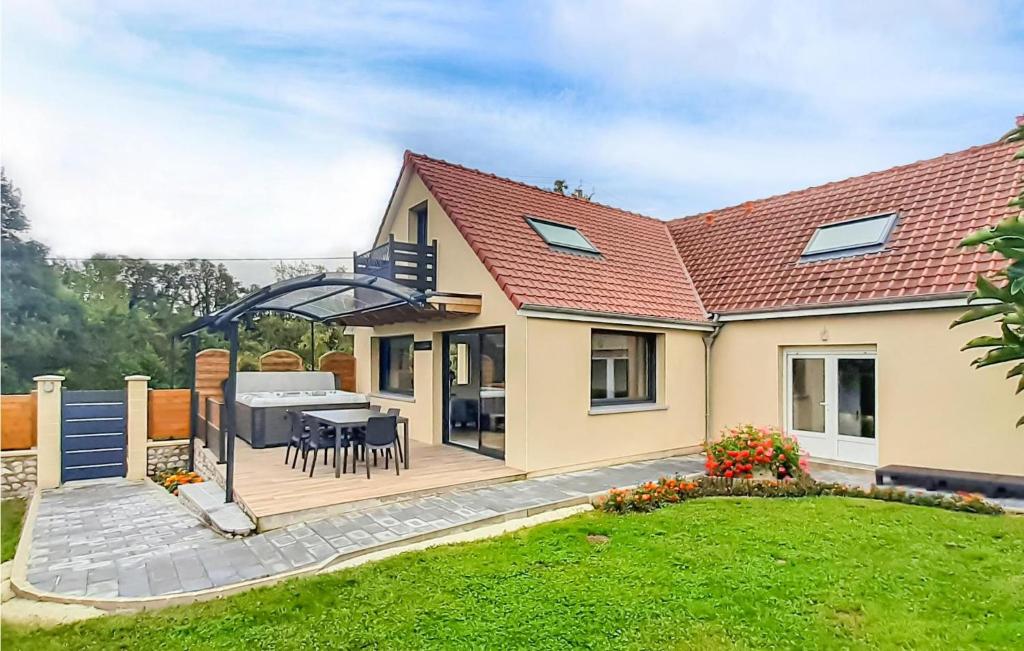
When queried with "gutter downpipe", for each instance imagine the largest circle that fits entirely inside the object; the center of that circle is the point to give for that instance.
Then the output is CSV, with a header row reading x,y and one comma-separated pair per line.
x,y
709,341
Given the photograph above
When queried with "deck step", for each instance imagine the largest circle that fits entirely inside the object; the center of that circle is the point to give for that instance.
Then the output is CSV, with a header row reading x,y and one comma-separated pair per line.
x,y
206,500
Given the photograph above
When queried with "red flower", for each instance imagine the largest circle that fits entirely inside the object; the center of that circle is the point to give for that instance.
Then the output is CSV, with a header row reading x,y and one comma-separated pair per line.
x,y
728,473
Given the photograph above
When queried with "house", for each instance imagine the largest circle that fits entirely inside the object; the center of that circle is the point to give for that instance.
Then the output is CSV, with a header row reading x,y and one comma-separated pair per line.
x,y
579,334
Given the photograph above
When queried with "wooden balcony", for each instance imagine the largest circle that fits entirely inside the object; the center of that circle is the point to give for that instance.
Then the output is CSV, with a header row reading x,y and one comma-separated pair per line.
x,y
412,265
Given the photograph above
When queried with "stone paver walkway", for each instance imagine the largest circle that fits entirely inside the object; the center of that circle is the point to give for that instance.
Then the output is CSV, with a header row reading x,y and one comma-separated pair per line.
x,y
124,539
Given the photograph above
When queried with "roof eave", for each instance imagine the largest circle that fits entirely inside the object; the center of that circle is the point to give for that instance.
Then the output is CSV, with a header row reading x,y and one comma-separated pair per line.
x,y
894,304
611,318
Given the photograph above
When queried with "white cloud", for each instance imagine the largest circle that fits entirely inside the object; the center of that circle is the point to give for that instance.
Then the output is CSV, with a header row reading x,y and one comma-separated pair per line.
x,y
855,61
261,129
117,185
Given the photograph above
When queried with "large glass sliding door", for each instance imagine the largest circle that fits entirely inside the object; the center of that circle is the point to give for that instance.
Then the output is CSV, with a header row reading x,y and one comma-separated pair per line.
x,y
830,404
475,394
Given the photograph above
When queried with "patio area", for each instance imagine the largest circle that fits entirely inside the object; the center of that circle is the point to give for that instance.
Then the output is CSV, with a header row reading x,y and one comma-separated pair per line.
x,y
115,543
276,495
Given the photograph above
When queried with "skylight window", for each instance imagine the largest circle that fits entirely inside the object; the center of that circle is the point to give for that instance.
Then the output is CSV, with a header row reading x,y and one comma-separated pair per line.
x,y
852,237
561,236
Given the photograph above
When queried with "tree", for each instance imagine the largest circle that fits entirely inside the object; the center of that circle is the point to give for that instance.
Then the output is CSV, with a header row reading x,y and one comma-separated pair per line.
x,y
1003,293
561,187
110,316
40,320
293,269
200,285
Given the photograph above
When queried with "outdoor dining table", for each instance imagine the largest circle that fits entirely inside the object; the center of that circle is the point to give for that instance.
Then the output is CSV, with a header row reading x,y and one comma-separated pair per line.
x,y
352,418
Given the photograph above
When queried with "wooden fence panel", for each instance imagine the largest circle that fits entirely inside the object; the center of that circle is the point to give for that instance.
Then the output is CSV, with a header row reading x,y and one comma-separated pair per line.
x,y
211,371
18,422
281,360
343,366
168,413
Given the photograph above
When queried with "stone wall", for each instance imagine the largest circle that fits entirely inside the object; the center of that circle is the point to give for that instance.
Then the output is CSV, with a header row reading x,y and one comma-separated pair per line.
x,y
18,468
18,473
206,464
161,457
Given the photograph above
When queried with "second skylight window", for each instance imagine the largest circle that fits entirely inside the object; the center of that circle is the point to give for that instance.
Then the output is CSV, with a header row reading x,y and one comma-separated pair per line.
x,y
856,236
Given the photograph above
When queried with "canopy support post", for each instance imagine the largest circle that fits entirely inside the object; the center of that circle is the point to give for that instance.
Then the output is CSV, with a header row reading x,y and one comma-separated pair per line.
x,y
312,345
229,401
172,362
193,402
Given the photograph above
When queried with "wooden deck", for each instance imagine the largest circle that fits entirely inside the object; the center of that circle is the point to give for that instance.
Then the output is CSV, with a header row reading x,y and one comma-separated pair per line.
x,y
275,495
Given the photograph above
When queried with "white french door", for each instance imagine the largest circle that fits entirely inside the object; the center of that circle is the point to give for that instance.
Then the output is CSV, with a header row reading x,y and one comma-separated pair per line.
x,y
831,404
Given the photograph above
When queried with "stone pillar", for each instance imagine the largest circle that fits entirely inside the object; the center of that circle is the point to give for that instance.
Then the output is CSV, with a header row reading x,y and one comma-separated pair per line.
x,y
137,424
48,393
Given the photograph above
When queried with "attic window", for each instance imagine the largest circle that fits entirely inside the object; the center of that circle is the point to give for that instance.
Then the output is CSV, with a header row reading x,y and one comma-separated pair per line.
x,y
560,236
851,237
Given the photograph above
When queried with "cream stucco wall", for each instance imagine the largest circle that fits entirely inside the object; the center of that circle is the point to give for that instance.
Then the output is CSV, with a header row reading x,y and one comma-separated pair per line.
x,y
458,270
547,369
564,432
934,409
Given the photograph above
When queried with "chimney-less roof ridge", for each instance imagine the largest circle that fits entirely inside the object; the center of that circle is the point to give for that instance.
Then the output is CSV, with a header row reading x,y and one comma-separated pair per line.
x,y
857,177
588,202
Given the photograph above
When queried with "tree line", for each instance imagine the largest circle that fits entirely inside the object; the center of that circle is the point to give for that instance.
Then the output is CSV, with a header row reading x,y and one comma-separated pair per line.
x,y
97,320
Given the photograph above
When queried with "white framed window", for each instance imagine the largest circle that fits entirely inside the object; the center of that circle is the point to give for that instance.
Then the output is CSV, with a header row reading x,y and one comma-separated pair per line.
x,y
851,237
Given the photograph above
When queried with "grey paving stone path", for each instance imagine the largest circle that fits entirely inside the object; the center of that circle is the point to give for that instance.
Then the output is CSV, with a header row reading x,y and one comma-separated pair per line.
x,y
116,538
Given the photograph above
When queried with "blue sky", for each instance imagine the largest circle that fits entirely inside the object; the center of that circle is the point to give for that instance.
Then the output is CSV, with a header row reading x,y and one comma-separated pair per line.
x,y
238,129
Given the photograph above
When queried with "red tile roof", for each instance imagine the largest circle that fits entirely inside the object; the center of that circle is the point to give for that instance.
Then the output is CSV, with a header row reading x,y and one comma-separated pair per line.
x,y
639,272
747,257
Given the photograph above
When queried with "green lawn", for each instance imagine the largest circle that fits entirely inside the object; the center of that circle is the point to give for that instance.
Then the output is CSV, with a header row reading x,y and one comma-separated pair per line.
x,y
808,573
11,514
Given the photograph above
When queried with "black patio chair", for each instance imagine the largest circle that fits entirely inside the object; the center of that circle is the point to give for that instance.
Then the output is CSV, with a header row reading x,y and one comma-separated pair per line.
x,y
324,440
396,412
312,441
381,434
299,436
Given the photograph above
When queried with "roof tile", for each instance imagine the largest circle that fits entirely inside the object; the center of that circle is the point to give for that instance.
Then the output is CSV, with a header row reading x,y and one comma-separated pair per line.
x,y
747,257
639,272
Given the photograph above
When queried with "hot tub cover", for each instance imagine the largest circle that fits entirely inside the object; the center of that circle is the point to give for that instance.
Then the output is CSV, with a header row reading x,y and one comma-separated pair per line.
x,y
299,398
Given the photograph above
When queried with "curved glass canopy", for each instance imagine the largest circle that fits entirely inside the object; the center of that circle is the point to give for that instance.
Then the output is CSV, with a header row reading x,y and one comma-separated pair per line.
x,y
316,297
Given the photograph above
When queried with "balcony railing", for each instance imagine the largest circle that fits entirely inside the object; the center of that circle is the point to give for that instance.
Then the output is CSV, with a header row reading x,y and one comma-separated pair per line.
x,y
412,265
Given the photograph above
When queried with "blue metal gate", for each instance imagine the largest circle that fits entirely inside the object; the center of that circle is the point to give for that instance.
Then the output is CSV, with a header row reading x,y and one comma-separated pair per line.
x,y
92,434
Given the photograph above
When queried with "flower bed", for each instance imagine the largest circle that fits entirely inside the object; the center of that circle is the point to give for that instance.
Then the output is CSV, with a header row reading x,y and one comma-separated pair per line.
x,y
171,479
749,452
653,495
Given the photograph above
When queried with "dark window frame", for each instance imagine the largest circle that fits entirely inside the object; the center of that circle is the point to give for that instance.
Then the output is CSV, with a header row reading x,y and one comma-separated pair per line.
x,y
384,345
418,215
651,339
558,246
